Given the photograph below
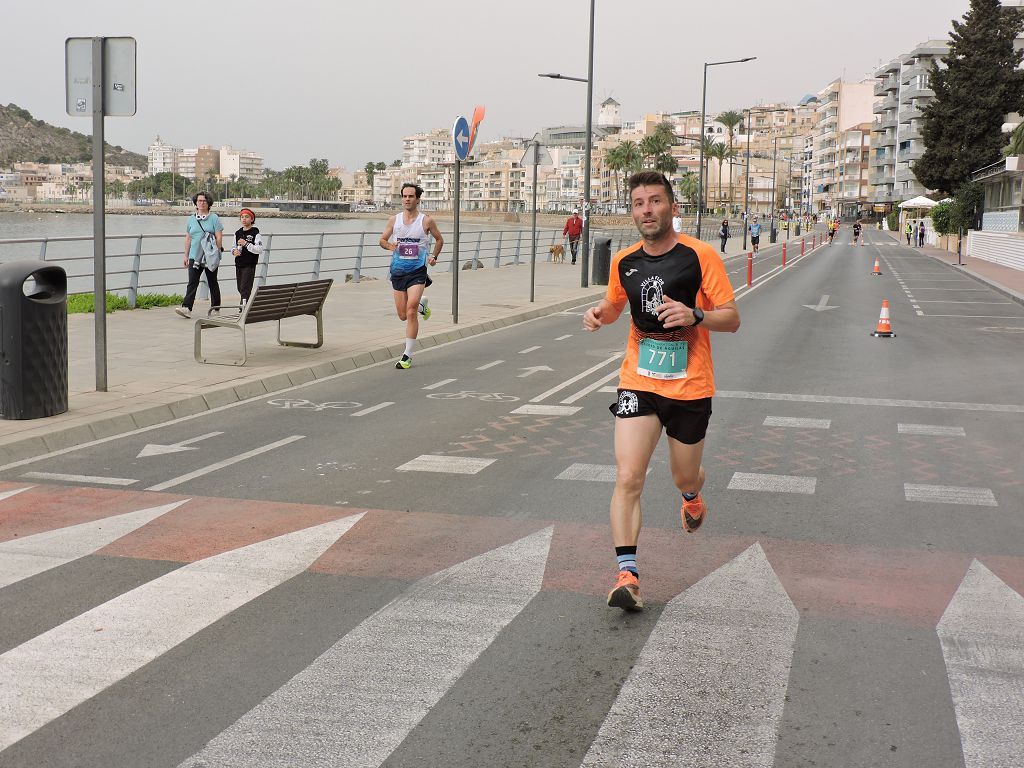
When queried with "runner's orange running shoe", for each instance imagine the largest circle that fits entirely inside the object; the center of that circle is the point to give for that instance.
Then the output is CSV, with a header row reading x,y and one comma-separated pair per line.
x,y
626,594
693,513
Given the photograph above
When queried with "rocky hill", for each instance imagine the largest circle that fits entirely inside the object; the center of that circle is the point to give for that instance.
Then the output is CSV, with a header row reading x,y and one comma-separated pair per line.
x,y
25,139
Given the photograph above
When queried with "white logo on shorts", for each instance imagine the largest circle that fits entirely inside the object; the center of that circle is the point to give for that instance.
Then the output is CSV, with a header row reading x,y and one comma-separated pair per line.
x,y
628,403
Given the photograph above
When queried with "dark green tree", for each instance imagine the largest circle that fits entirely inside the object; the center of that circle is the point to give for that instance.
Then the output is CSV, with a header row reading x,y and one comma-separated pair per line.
x,y
979,84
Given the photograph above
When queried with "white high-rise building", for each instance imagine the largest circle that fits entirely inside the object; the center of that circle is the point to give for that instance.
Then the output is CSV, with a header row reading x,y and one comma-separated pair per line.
x,y
240,164
428,148
163,158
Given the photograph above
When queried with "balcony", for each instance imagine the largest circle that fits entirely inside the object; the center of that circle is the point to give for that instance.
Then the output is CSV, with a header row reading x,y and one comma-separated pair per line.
x,y
881,179
886,85
919,93
890,102
921,68
910,133
911,113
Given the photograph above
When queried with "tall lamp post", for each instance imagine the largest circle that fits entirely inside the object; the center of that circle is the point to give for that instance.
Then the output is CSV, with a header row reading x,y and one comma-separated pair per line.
x,y
703,111
589,80
775,179
746,191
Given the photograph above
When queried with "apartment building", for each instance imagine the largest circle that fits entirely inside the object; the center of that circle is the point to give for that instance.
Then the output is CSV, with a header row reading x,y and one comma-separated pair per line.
x,y
903,92
843,110
430,148
162,157
239,164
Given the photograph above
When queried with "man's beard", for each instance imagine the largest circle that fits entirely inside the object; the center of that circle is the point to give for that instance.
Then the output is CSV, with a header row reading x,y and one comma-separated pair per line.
x,y
663,228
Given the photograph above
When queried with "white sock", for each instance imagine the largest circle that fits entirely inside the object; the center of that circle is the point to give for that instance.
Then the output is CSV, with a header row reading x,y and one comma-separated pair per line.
x,y
409,344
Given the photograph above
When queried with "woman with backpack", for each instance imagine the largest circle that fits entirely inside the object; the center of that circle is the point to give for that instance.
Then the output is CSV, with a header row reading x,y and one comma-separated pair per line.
x,y
723,233
203,248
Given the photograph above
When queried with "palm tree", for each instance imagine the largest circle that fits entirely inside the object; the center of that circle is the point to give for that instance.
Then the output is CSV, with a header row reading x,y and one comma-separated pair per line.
x,y
718,152
688,187
708,145
626,158
651,147
730,119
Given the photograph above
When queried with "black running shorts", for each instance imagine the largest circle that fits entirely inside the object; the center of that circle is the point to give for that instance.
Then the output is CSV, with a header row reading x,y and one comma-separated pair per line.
x,y
755,239
684,420
416,277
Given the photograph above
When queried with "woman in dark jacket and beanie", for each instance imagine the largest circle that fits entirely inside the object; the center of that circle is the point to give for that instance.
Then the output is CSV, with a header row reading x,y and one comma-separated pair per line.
x,y
723,233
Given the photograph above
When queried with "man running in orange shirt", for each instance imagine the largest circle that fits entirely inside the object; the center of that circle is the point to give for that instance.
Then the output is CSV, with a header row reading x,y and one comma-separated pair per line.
x,y
677,291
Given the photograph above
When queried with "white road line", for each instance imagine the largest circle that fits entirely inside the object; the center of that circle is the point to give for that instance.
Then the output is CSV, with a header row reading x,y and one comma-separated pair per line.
x,y
754,481
221,464
608,389
92,479
454,465
958,290
546,410
372,408
360,699
949,494
876,401
787,421
30,555
15,492
930,429
943,301
982,317
563,338
709,686
982,637
59,669
587,390
490,365
574,379
438,384
601,473
529,349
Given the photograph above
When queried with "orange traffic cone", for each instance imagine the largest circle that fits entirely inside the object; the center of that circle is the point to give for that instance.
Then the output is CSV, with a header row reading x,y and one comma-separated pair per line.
x,y
877,272
884,329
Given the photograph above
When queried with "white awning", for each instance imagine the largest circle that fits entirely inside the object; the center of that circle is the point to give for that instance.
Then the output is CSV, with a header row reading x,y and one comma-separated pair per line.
x,y
918,202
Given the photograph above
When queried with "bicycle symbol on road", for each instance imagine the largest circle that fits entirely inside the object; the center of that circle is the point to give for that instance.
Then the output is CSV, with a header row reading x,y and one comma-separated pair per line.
x,y
306,405
485,397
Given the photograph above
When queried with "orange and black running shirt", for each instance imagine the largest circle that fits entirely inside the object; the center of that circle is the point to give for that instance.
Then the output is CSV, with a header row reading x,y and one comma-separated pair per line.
x,y
692,273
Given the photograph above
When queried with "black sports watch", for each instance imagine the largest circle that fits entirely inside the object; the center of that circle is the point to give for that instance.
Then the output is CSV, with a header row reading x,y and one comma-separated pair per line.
x,y
698,315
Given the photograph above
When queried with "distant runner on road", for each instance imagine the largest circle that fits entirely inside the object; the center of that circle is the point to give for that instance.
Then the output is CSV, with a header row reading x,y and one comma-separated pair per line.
x,y
755,234
406,237
673,284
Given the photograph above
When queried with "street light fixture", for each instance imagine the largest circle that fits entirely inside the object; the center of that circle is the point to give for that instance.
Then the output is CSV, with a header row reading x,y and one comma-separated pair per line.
x,y
589,80
703,109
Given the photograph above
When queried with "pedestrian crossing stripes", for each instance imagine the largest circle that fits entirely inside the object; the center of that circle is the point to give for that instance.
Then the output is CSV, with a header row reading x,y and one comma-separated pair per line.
x,y
948,494
930,429
706,684
752,481
787,421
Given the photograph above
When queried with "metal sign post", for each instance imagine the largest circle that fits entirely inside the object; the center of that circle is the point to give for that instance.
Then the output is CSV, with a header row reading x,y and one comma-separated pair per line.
x,y
100,81
533,227
455,246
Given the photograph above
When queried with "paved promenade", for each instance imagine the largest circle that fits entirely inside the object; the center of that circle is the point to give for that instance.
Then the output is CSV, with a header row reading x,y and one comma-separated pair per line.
x,y
153,378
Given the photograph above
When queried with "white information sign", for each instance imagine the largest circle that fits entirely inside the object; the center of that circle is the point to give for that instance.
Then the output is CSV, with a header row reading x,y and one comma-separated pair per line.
x,y
118,76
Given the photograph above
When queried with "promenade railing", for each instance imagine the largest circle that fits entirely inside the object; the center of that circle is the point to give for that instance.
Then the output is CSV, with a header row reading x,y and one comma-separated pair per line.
x,y
145,263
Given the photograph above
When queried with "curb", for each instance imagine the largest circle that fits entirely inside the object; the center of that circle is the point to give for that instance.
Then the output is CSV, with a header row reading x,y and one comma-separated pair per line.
x,y
110,426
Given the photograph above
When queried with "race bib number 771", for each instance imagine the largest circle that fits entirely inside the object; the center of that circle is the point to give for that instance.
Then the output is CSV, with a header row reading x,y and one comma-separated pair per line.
x,y
664,360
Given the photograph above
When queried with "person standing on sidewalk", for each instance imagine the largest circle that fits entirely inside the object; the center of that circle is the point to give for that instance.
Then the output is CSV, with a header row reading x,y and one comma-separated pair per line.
x,y
406,237
723,233
920,234
574,229
200,225
909,231
677,290
247,250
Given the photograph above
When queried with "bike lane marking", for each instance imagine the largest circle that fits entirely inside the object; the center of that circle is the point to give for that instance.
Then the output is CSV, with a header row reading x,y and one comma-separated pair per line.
x,y
574,379
438,384
456,465
90,479
372,408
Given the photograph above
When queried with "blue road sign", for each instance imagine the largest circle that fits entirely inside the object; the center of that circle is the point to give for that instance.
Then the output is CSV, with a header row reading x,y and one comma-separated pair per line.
x,y
460,137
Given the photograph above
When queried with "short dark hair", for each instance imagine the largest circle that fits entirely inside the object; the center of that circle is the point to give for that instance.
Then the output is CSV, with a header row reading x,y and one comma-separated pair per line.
x,y
417,187
651,179
207,195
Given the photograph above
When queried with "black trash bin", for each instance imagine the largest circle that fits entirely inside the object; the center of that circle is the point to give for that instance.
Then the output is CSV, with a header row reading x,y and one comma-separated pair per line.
x,y
602,261
798,229
33,340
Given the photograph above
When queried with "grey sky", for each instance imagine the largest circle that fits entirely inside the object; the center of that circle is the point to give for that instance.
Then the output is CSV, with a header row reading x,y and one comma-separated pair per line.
x,y
346,80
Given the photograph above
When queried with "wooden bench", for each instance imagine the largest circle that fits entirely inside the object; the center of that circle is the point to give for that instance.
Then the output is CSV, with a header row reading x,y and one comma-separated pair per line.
x,y
269,302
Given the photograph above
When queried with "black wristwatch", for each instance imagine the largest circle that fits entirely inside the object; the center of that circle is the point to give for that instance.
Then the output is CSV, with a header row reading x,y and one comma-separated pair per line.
x,y
698,315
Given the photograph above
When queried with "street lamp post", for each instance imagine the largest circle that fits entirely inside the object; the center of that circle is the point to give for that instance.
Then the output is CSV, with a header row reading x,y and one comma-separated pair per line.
x,y
746,192
771,209
589,80
703,112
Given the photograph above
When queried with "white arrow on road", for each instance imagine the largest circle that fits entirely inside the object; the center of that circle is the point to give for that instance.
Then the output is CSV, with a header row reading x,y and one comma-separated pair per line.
x,y
152,449
822,305
531,371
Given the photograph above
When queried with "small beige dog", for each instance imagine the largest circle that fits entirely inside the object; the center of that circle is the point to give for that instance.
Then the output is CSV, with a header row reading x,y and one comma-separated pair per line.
x,y
557,254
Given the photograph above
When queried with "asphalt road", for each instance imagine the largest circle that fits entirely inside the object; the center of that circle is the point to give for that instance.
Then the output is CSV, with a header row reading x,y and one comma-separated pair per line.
x,y
408,567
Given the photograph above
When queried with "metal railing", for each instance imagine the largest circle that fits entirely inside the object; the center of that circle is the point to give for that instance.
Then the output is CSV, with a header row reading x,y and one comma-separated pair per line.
x,y
154,262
